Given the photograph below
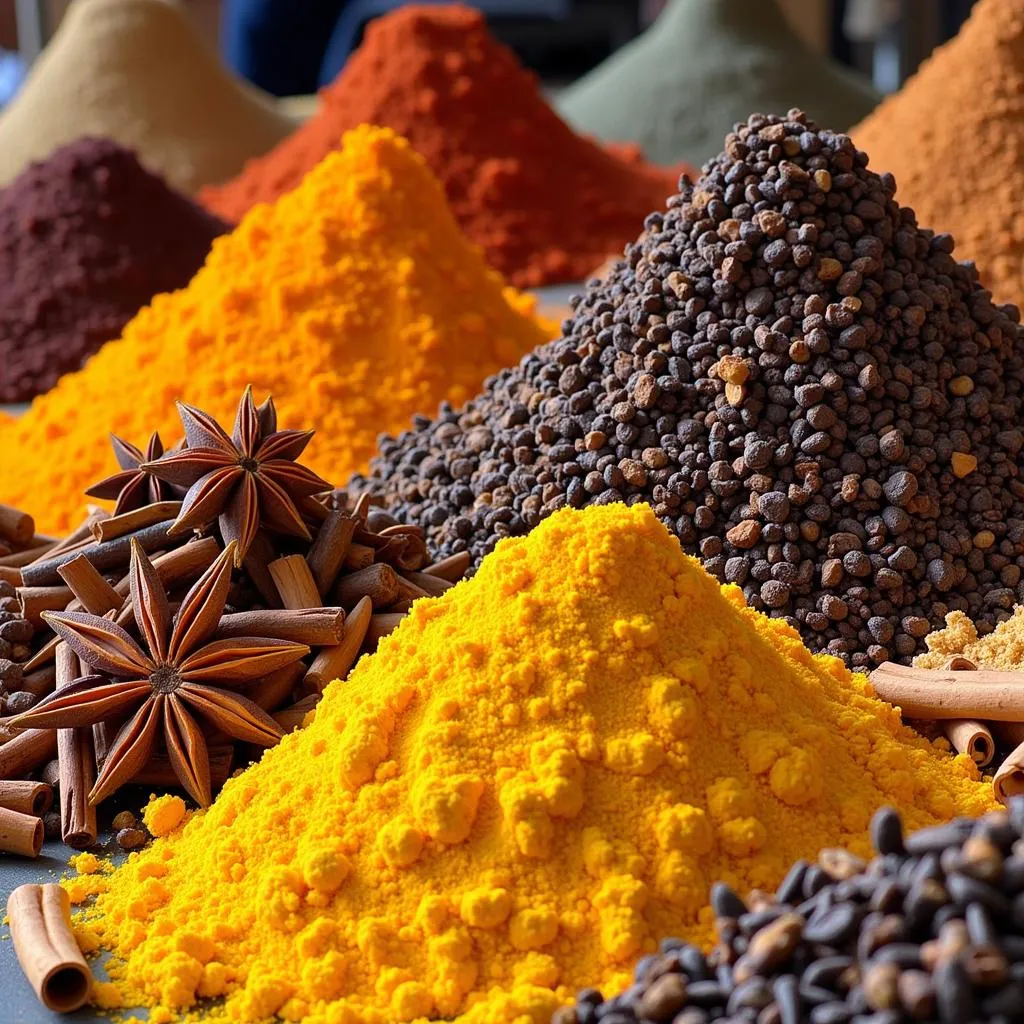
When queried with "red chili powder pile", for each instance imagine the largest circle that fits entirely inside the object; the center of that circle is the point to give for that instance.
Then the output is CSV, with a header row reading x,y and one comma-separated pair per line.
x,y
545,204
953,137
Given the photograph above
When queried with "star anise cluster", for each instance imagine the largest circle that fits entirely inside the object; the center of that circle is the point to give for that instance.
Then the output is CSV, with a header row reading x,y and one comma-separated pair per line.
x,y
173,673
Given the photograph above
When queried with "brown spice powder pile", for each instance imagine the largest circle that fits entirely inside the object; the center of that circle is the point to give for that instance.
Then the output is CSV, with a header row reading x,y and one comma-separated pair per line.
x,y
954,139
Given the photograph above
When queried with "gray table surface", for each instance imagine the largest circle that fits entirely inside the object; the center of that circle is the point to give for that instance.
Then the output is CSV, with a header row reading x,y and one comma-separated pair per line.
x,y
18,1004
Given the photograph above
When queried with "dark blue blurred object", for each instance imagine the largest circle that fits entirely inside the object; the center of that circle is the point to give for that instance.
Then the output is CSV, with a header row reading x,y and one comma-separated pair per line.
x,y
279,45
12,72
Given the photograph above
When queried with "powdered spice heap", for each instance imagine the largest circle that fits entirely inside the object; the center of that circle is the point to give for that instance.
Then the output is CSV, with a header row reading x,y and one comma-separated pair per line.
x,y
806,385
87,237
962,111
534,779
354,300
546,205
137,71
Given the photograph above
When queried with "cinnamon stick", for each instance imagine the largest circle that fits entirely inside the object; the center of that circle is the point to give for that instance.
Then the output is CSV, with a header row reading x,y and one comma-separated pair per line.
x,y
939,695
378,582
314,627
108,554
36,600
330,548
335,662
291,718
96,595
361,509
81,536
452,568
20,833
408,590
16,526
26,752
34,798
273,690
17,559
137,519
972,738
380,626
358,556
434,586
40,918
294,582
76,758
1008,780
11,575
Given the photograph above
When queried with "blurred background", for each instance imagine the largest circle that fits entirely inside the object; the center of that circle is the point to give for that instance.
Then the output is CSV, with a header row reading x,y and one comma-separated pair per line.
x,y
559,39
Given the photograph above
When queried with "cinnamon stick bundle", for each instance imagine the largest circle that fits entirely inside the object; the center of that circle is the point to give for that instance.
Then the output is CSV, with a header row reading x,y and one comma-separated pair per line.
x,y
40,918
939,694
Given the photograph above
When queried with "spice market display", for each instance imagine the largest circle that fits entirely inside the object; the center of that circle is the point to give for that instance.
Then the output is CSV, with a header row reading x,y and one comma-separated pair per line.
x,y
137,72
87,238
545,205
962,109
375,650
805,385
355,300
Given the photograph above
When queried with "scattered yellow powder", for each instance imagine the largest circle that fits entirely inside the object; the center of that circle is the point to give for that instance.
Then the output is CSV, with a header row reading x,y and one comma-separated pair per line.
x,y
163,814
1002,649
355,300
536,777
85,863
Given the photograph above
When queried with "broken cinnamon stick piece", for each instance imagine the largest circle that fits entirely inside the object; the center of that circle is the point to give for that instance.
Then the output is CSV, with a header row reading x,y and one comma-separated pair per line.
x,y
452,568
940,695
40,917
1008,780
381,626
435,586
972,738
314,627
16,526
34,798
358,556
129,522
27,751
21,558
273,690
96,595
967,735
330,548
20,833
291,718
294,582
378,582
36,600
335,662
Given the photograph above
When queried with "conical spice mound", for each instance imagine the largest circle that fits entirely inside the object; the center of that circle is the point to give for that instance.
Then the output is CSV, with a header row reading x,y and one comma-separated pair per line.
x,y
807,387
701,67
535,778
953,136
136,71
355,300
545,204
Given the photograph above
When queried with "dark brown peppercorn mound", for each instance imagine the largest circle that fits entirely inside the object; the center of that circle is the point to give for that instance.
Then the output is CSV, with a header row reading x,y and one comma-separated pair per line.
x,y
87,237
819,400
931,930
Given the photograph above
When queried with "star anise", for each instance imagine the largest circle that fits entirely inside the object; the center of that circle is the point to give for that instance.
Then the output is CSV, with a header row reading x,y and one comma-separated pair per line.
x,y
177,674
134,487
245,481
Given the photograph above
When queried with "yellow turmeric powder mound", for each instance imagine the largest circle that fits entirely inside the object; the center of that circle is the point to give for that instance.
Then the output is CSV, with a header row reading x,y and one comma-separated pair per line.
x,y
355,300
535,778
1002,649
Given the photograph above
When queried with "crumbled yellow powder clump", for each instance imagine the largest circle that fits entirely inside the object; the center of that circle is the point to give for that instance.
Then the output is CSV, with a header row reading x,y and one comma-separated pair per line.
x,y
1002,649
535,778
86,863
163,814
356,301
